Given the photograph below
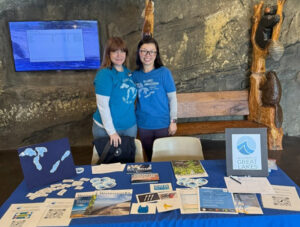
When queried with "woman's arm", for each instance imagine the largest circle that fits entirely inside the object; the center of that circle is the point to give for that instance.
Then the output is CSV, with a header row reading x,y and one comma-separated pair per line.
x,y
173,112
103,106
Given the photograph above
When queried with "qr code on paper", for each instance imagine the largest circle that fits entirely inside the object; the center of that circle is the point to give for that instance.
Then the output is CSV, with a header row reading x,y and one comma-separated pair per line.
x,y
55,213
281,201
17,223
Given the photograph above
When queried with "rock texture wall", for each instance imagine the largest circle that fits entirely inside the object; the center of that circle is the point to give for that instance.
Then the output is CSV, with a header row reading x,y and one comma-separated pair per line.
x,y
206,44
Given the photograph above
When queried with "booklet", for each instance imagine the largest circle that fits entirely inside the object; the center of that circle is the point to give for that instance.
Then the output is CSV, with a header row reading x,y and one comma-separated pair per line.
x,y
216,200
139,168
141,178
23,214
189,200
284,198
247,203
188,168
102,203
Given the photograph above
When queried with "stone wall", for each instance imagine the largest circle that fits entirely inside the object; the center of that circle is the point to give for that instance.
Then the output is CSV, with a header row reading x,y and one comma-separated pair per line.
x,y
206,44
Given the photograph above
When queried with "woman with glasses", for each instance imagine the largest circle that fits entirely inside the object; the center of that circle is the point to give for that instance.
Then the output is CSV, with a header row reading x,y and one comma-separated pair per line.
x,y
115,95
156,109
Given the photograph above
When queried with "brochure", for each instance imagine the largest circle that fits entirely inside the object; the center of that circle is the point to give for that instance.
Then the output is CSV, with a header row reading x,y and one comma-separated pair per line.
x,y
188,168
102,203
140,178
139,168
189,200
284,198
23,214
247,203
216,200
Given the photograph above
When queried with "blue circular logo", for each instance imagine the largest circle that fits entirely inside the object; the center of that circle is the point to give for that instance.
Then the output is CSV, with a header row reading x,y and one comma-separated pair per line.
x,y
246,145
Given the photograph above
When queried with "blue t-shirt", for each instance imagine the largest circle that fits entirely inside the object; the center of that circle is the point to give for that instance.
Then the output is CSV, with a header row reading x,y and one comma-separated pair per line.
x,y
152,110
121,89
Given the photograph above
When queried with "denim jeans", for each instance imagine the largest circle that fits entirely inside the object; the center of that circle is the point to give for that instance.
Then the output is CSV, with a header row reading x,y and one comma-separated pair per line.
x,y
101,132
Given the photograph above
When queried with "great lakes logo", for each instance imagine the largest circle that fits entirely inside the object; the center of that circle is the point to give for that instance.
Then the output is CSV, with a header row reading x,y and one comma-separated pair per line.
x,y
246,145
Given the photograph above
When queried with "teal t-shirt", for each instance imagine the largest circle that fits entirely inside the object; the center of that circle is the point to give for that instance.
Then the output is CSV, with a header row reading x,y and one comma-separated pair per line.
x,y
121,89
153,110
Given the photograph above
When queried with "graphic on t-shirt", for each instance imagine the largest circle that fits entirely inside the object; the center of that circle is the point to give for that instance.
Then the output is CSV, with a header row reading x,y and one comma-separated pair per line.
x,y
131,91
147,88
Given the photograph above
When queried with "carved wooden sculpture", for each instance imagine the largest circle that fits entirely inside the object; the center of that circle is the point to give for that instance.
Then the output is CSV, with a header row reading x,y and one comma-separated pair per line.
x,y
259,112
148,14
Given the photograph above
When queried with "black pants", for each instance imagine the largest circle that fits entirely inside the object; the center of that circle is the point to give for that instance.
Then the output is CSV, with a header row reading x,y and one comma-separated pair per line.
x,y
148,136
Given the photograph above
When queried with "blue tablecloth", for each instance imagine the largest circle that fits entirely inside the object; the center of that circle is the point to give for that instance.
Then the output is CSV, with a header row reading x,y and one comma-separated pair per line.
x,y
216,170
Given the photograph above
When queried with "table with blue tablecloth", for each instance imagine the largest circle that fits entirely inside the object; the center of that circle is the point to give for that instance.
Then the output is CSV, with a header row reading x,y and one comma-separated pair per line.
x,y
216,170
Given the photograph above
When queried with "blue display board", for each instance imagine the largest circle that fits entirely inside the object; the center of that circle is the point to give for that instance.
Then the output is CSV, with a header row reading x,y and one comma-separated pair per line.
x,y
55,45
47,162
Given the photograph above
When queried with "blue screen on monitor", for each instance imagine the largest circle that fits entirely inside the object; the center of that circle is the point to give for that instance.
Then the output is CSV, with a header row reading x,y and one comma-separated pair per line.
x,y
55,45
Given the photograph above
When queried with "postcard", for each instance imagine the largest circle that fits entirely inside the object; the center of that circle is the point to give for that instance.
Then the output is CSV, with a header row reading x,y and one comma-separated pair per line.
x,y
139,168
188,168
140,178
247,203
168,195
23,214
102,203
147,197
216,200
168,204
284,198
161,187
143,208
57,212
189,200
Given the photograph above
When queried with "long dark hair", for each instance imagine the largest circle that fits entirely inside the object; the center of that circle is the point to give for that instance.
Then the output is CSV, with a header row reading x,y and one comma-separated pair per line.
x,y
113,44
157,62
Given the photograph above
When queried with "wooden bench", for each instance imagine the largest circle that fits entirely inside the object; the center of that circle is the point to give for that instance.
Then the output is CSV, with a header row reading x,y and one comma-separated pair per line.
x,y
209,104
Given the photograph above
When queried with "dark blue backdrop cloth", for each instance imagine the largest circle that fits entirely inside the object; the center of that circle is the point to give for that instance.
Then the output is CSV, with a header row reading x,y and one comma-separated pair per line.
x,y
216,170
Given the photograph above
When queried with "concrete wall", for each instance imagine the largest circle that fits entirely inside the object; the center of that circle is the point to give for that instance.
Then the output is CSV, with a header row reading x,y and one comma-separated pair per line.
x,y
206,44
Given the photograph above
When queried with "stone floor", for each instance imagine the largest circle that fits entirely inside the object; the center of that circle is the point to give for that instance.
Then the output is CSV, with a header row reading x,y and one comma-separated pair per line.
x,y
11,173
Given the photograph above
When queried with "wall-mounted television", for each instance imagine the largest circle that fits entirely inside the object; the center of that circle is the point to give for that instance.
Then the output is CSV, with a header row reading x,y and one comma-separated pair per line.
x,y
55,45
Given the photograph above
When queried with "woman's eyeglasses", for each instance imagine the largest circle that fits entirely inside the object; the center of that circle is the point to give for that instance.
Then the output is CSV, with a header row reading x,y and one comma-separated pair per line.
x,y
150,52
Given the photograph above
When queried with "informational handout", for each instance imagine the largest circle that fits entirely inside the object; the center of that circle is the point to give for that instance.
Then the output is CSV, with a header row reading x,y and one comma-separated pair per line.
x,y
189,199
23,214
284,198
57,212
248,185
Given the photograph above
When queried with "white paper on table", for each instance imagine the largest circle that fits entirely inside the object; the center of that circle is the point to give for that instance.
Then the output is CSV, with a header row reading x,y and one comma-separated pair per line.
x,y
108,168
57,212
23,214
249,185
284,198
189,200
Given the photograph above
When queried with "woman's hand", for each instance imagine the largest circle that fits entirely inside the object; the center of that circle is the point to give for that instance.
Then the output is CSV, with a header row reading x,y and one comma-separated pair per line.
x,y
172,128
115,139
